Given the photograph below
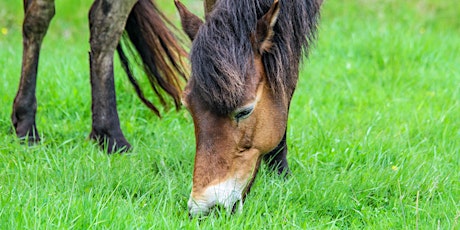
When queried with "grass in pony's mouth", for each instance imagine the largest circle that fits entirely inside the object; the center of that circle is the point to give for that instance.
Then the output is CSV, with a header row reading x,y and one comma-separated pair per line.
x,y
373,132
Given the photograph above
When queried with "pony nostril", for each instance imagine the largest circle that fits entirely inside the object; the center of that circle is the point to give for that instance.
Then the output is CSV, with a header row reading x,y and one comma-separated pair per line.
x,y
237,207
234,208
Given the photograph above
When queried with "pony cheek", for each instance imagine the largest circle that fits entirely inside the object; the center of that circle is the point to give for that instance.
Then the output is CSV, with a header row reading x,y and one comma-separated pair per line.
x,y
270,128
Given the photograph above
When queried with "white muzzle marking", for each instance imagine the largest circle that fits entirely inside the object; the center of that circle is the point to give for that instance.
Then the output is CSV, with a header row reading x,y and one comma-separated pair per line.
x,y
226,193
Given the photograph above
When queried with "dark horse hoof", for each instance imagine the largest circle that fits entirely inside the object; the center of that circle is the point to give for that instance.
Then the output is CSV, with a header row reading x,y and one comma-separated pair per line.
x,y
112,144
25,130
30,138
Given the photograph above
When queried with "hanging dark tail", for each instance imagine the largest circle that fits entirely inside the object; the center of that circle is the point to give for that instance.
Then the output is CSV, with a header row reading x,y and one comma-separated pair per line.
x,y
148,37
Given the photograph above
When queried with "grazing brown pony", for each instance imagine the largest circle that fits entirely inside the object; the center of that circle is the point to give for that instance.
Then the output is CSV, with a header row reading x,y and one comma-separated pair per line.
x,y
245,64
145,33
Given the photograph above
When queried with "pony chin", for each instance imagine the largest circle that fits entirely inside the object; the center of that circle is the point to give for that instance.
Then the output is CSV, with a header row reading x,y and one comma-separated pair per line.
x,y
227,194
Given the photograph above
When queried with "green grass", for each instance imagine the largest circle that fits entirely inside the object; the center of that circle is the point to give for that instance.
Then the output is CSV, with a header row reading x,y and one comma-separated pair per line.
x,y
373,133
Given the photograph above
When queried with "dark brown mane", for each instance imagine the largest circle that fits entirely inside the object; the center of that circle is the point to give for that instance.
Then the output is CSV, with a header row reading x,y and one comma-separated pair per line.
x,y
222,54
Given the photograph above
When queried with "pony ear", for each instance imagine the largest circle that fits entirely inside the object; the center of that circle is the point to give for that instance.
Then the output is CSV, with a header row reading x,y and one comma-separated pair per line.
x,y
190,22
264,30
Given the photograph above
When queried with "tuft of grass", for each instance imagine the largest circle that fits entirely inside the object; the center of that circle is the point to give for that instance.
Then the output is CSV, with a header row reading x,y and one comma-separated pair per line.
x,y
373,133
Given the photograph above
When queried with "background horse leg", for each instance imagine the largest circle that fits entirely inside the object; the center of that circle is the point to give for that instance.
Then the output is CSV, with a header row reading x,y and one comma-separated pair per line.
x,y
38,15
106,22
276,159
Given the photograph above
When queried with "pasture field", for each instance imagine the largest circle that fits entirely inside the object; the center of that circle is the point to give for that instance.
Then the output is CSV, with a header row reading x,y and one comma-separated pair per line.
x,y
374,132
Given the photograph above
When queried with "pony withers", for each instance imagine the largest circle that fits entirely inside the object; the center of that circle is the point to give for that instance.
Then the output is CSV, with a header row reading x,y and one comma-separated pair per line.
x,y
244,69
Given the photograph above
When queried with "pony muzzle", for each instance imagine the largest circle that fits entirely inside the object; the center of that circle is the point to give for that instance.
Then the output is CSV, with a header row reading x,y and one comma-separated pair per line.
x,y
228,194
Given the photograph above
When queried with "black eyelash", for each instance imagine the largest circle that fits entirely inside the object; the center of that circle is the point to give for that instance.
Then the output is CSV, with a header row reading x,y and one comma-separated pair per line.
x,y
245,112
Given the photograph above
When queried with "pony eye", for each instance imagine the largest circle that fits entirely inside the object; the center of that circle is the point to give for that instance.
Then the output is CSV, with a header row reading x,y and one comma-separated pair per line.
x,y
243,113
